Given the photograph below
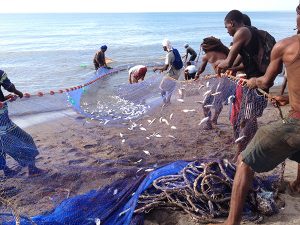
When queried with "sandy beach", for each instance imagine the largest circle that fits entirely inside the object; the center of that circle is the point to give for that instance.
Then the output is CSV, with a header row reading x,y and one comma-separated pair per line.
x,y
82,155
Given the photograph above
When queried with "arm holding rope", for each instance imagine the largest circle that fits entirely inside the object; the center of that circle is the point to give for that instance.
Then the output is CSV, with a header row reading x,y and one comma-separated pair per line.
x,y
202,67
161,68
239,40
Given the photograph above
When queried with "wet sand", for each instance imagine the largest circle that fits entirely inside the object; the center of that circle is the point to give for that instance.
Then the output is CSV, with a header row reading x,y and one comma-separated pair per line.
x,y
82,155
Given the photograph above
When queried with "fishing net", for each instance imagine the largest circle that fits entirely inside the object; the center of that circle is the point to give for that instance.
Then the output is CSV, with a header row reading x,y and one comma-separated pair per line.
x,y
212,105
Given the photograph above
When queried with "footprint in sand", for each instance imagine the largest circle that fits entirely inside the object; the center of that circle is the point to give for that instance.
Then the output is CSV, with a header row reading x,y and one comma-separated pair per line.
x,y
77,161
89,146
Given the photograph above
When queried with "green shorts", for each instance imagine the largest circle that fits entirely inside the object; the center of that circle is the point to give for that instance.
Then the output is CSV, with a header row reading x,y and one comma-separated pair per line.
x,y
272,144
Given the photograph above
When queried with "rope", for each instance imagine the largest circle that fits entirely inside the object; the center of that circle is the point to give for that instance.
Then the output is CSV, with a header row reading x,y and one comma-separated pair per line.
x,y
209,196
12,98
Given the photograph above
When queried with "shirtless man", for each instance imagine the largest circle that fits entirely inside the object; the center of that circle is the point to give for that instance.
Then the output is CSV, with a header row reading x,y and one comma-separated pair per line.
x,y
214,51
99,58
275,142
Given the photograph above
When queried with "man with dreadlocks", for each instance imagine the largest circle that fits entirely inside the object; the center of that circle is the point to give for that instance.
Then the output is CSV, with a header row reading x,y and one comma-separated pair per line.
x,y
274,142
214,51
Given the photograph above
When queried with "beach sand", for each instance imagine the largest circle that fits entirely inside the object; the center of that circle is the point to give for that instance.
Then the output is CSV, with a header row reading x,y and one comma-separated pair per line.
x,y
82,155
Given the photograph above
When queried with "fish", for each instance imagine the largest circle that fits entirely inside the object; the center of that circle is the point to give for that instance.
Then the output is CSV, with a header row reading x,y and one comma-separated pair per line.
x,y
206,93
146,152
115,192
180,100
201,86
165,121
97,221
180,91
239,139
230,99
188,110
173,127
171,136
149,170
123,140
216,93
148,138
160,119
142,128
121,135
204,120
138,161
171,116
201,102
158,136
125,211
208,106
207,84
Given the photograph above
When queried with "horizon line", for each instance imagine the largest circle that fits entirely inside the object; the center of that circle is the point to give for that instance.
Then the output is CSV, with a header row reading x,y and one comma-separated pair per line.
x,y
112,12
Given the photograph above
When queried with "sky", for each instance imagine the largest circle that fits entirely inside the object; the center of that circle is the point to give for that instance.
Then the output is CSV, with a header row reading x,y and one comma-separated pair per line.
x,y
62,6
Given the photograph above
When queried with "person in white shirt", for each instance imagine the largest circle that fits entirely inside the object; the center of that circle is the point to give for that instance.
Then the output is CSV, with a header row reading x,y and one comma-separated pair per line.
x,y
190,71
137,73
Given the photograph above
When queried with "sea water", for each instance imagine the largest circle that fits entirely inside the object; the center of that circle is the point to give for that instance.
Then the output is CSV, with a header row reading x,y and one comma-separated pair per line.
x,y
41,52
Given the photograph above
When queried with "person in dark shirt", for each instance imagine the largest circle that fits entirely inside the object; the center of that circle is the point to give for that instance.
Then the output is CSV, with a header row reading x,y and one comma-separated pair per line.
x,y
246,44
99,59
14,141
189,51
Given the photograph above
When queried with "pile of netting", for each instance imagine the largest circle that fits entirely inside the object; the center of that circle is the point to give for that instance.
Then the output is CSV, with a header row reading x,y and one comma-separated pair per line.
x,y
201,188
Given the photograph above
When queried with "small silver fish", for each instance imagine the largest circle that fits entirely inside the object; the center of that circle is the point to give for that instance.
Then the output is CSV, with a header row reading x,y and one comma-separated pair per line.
x,y
204,120
165,121
216,93
146,152
171,116
180,100
173,127
206,93
208,106
188,110
239,139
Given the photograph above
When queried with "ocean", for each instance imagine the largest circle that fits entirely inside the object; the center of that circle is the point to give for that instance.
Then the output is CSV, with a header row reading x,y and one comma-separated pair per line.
x,y
42,52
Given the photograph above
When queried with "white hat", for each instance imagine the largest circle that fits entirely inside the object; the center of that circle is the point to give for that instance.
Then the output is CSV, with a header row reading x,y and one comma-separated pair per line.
x,y
167,43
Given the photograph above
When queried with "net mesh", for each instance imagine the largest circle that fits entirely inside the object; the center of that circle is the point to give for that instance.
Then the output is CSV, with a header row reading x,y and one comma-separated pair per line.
x,y
222,112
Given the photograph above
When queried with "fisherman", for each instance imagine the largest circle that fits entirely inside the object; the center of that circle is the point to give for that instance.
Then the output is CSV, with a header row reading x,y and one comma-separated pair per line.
x,y
168,83
246,44
137,73
275,142
214,51
99,58
190,71
15,141
189,51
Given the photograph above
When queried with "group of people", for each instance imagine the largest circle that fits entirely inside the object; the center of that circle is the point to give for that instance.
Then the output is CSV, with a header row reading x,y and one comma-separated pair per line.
x,y
273,143
261,151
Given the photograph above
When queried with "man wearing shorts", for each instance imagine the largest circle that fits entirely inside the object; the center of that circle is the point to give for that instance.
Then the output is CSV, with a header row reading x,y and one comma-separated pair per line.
x,y
275,142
